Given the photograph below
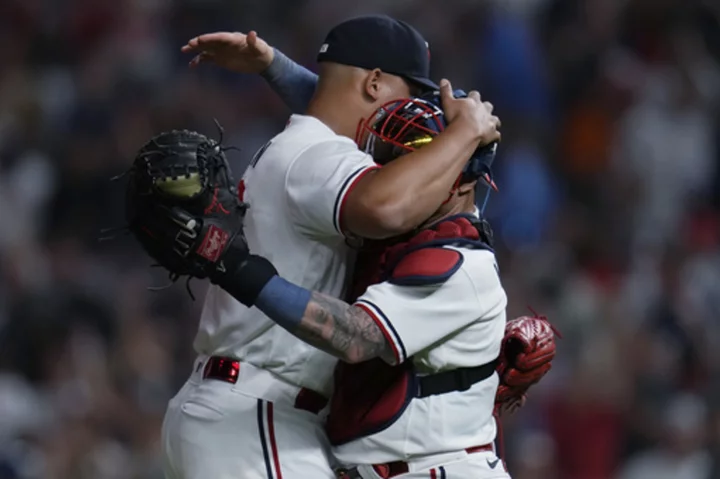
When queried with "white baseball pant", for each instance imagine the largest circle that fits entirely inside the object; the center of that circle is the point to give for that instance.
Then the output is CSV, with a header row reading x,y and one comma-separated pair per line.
x,y
247,430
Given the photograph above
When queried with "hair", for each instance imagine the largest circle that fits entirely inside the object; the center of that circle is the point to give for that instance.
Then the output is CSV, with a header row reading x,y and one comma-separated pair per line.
x,y
336,75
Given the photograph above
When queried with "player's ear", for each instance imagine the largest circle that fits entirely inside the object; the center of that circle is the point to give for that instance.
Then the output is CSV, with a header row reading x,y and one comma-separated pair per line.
x,y
466,188
373,86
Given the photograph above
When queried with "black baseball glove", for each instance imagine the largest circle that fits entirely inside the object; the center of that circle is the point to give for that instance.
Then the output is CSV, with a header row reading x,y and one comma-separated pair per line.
x,y
182,206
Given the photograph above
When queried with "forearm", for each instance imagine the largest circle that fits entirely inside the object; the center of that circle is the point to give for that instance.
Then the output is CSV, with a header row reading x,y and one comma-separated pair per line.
x,y
331,325
293,83
407,191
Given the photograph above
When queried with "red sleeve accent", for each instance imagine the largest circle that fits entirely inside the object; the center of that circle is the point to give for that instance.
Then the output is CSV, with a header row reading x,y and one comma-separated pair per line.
x,y
348,190
426,266
384,330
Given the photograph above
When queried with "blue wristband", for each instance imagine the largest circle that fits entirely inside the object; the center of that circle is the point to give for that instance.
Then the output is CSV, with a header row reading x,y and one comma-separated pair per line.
x,y
283,302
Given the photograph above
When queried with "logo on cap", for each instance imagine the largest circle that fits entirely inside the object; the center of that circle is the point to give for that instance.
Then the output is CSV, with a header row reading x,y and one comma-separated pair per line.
x,y
324,48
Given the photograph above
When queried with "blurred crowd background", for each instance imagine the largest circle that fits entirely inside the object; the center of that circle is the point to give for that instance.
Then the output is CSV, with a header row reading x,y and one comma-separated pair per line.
x,y
607,217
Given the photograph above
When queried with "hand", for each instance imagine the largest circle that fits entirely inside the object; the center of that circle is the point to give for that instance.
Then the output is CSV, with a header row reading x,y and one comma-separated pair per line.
x,y
231,50
526,355
184,244
511,405
472,112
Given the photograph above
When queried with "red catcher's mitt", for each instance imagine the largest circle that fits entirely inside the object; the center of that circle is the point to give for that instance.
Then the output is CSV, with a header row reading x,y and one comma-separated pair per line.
x,y
527,352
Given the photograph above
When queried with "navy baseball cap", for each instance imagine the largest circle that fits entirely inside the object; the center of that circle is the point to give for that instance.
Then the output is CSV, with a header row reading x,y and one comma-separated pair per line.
x,y
379,41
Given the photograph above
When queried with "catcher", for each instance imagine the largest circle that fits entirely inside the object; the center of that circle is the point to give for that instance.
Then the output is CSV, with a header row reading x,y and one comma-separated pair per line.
x,y
426,354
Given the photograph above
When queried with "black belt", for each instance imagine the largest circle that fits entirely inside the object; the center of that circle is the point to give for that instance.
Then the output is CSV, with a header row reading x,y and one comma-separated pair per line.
x,y
460,379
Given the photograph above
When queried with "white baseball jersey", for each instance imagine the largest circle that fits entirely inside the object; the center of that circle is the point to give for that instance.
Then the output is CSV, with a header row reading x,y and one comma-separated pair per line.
x,y
295,188
459,323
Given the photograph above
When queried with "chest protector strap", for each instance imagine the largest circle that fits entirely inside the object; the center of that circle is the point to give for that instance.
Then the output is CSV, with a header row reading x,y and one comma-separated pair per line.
x,y
460,379
369,397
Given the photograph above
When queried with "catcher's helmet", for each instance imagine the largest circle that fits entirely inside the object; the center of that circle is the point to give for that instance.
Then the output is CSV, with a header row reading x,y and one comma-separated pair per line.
x,y
401,126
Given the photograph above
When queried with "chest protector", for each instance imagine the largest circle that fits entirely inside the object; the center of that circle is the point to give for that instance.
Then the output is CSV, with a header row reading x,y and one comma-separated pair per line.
x,y
370,396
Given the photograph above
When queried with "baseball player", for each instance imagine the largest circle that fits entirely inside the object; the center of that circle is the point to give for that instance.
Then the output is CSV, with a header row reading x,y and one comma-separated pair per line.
x,y
416,389
251,406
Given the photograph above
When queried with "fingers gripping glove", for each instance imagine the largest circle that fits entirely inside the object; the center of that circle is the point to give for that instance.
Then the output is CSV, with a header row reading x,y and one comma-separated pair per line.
x,y
182,205
527,351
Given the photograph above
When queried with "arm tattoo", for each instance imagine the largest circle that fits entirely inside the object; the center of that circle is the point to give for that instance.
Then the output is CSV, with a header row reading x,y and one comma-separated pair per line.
x,y
342,330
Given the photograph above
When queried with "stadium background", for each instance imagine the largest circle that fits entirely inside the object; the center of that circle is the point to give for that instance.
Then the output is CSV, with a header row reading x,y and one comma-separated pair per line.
x,y
607,218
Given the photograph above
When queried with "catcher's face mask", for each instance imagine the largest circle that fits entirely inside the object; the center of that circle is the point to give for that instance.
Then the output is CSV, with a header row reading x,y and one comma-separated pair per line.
x,y
401,126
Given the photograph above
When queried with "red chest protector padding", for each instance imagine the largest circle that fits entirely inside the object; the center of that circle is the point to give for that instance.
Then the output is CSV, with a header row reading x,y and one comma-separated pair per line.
x,y
380,260
369,397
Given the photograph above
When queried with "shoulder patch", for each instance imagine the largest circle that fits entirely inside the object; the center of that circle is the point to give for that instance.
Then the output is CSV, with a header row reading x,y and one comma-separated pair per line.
x,y
426,266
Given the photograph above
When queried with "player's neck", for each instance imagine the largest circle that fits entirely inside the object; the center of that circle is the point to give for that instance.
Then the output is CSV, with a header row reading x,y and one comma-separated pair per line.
x,y
456,206
339,120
